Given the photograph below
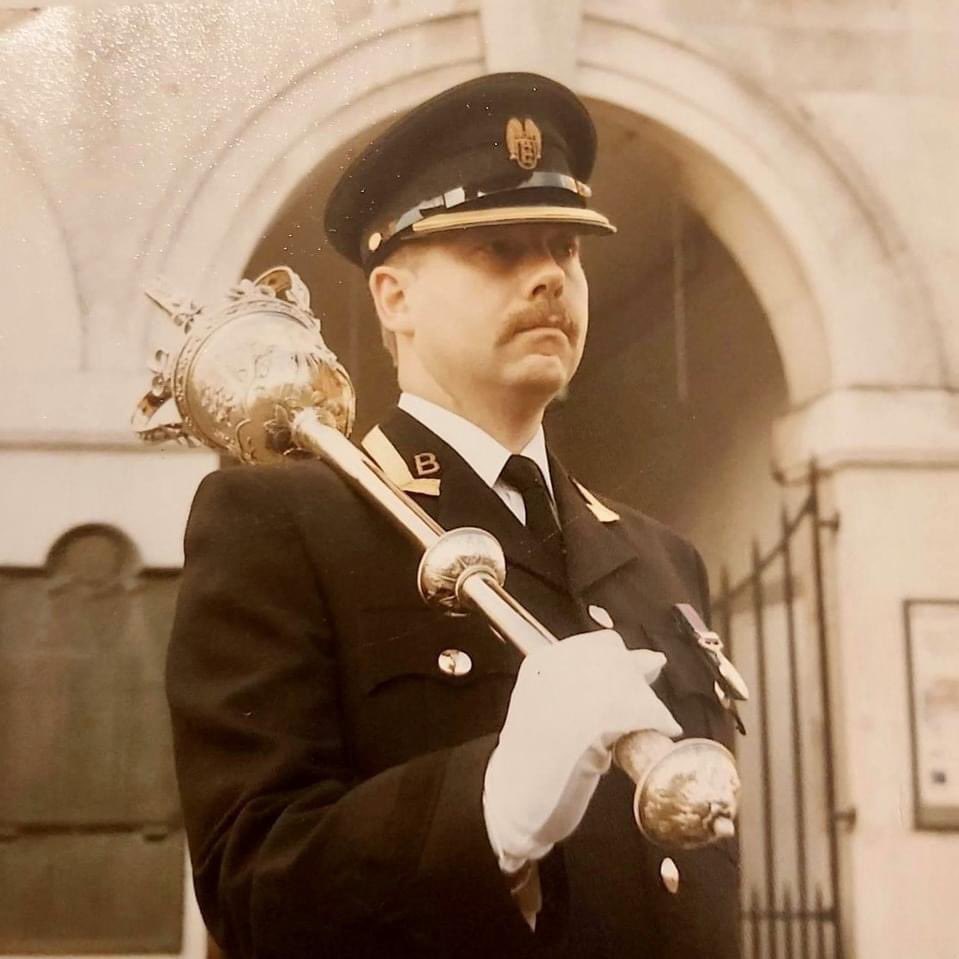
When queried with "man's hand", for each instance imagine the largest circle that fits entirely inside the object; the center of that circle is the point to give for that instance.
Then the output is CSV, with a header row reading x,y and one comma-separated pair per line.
x,y
571,703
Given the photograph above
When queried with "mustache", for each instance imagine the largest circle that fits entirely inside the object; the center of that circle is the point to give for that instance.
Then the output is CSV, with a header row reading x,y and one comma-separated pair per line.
x,y
549,313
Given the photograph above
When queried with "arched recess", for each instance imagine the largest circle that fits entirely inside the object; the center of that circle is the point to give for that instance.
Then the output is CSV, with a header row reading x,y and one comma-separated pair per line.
x,y
97,846
822,255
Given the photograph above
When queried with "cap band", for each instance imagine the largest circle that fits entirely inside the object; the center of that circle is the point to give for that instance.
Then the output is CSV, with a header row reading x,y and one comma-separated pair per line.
x,y
460,195
503,215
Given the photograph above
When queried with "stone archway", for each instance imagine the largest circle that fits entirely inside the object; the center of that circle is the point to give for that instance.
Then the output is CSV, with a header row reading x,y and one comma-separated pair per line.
x,y
818,249
823,255
823,258
798,220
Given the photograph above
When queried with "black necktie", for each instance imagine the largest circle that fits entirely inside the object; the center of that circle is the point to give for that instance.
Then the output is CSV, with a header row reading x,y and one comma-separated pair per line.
x,y
525,477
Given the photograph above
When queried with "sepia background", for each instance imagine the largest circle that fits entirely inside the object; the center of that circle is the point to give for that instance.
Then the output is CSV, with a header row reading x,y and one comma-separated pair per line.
x,y
772,370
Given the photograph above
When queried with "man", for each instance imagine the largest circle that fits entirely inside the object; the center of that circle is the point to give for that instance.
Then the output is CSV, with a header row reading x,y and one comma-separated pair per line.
x,y
361,775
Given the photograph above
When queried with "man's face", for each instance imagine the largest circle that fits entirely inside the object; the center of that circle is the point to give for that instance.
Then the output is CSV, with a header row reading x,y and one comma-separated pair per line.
x,y
502,310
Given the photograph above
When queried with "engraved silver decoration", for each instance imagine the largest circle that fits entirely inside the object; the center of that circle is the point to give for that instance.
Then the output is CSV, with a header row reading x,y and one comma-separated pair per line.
x,y
244,369
451,560
687,793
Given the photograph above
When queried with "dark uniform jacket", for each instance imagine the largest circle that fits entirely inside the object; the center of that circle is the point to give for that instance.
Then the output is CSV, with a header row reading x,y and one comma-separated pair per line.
x,y
331,774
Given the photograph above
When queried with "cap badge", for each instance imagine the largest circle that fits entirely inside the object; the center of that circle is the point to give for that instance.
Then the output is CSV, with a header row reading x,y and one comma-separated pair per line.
x,y
525,142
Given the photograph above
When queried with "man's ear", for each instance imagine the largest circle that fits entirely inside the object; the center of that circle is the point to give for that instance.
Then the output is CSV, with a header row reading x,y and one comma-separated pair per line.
x,y
390,286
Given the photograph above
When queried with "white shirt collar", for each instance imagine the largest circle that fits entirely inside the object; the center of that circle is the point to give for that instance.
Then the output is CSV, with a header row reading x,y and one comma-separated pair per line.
x,y
484,454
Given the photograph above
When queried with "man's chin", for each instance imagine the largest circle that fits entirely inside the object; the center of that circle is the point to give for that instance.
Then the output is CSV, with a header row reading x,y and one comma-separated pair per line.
x,y
542,374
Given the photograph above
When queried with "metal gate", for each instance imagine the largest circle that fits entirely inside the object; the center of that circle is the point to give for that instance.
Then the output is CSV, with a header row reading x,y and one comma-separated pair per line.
x,y
774,623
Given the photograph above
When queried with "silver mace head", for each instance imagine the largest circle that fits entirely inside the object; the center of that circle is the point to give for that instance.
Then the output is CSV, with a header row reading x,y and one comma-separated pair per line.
x,y
244,369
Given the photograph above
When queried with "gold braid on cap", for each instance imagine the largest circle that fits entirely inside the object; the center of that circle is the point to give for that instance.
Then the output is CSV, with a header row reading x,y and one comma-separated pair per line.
x,y
461,194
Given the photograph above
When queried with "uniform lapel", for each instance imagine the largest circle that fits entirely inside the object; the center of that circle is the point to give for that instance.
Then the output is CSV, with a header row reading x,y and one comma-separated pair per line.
x,y
463,498
630,579
594,549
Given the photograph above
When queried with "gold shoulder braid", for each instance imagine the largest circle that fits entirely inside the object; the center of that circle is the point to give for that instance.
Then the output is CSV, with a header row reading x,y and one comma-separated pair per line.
x,y
603,513
388,459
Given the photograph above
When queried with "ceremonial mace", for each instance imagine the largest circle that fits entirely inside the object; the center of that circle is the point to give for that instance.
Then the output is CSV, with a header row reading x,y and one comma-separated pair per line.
x,y
254,378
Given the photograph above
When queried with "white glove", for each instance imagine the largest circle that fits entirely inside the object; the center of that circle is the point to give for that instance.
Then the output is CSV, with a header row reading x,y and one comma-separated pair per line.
x,y
571,703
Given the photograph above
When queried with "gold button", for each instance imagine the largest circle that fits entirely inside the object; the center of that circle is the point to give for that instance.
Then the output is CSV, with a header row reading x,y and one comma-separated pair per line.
x,y
454,662
599,615
374,241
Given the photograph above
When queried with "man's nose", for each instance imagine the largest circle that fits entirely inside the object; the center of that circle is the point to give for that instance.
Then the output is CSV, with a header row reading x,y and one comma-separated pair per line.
x,y
546,276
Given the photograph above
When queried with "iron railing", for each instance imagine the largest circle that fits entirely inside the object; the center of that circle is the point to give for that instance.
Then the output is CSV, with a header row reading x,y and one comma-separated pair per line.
x,y
774,621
